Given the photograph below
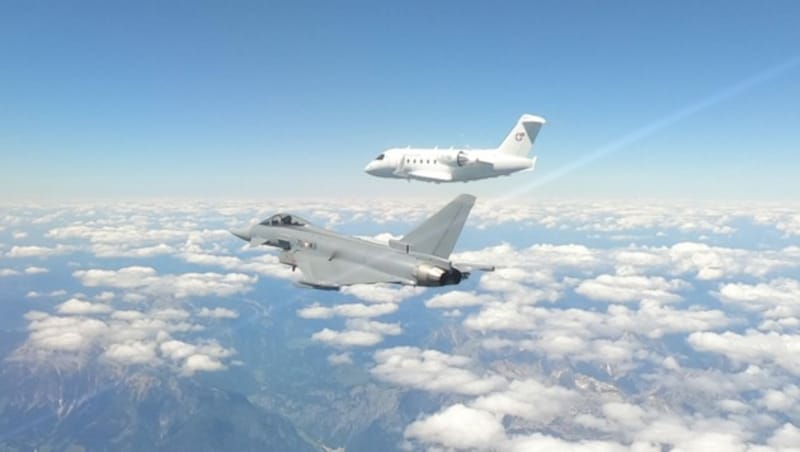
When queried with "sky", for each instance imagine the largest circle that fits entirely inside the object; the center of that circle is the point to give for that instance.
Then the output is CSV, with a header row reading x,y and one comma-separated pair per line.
x,y
201,99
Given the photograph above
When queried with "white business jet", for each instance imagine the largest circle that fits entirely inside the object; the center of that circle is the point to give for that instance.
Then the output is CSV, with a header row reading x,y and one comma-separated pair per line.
x,y
462,165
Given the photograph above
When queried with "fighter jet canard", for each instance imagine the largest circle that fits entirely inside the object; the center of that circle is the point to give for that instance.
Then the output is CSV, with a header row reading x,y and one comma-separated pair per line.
x,y
462,165
329,260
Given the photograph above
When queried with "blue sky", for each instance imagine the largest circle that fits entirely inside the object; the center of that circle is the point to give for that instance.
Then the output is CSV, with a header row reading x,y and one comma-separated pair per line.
x,y
291,99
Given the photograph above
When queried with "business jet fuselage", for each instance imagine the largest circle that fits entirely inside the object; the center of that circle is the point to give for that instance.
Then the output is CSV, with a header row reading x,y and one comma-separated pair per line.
x,y
462,165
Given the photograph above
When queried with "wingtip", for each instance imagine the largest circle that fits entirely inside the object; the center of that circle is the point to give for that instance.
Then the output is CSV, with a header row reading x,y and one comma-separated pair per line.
x,y
527,117
466,197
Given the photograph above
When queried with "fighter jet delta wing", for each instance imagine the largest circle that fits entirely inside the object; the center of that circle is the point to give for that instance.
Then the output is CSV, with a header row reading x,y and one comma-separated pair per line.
x,y
332,273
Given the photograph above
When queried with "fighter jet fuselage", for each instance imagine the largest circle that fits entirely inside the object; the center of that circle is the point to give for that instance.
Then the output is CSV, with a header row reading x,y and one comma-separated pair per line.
x,y
462,165
329,260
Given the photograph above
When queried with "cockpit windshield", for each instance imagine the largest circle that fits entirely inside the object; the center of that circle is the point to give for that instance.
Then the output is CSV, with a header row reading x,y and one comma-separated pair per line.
x,y
380,157
283,219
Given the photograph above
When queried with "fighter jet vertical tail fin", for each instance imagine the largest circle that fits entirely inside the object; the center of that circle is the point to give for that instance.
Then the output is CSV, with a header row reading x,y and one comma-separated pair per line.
x,y
438,234
520,140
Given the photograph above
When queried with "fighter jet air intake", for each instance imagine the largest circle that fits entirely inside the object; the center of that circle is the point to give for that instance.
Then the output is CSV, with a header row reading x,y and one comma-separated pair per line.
x,y
462,165
329,260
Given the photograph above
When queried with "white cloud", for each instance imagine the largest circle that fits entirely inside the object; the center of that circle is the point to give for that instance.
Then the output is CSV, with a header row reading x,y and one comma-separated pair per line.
x,y
37,251
784,219
347,338
779,298
710,263
202,363
192,358
127,315
456,299
538,442
105,296
55,293
105,250
129,233
125,278
123,338
316,311
337,359
51,333
610,216
169,314
218,313
609,338
631,288
458,427
712,435
383,328
35,270
626,415
358,332
787,438
529,400
81,307
134,352
781,400
262,263
539,256
176,350
431,370
8,272
653,319
754,347
504,316
147,281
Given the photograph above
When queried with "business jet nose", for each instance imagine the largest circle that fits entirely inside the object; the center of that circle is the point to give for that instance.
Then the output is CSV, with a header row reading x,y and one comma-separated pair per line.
x,y
370,168
243,234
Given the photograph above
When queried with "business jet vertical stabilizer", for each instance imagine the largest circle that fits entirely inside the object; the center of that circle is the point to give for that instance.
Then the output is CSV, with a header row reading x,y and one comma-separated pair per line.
x,y
462,165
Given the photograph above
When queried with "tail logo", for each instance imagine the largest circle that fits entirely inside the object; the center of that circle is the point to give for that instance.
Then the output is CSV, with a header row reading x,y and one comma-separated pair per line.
x,y
519,136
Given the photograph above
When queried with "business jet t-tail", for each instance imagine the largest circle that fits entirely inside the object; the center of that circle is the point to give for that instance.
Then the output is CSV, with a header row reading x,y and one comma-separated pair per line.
x,y
462,165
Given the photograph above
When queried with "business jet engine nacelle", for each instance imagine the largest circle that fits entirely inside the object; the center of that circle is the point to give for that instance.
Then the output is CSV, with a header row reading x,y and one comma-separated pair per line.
x,y
460,158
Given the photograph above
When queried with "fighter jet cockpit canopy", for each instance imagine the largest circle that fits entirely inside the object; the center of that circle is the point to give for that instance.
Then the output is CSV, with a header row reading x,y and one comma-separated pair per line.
x,y
283,219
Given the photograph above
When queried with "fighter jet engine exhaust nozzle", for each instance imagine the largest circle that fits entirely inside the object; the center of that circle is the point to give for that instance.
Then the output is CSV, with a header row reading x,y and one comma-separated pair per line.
x,y
429,275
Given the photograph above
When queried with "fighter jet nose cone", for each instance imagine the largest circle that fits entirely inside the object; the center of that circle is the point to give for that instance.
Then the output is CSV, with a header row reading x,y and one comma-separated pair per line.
x,y
243,234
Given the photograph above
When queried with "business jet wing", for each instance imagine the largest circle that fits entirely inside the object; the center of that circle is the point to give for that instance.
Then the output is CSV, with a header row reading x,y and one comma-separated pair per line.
x,y
430,175
332,273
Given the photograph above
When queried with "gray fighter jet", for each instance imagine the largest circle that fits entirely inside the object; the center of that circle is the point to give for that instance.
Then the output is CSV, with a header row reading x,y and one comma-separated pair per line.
x,y
329,260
